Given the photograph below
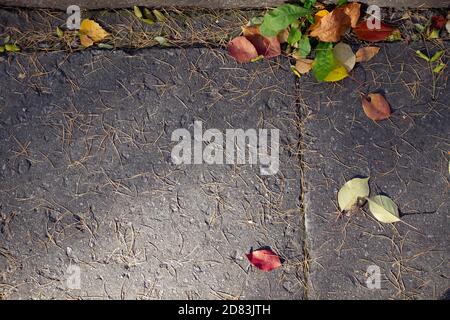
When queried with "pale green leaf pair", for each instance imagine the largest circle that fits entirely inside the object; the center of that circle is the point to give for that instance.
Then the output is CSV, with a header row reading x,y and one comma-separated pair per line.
x,y
357,189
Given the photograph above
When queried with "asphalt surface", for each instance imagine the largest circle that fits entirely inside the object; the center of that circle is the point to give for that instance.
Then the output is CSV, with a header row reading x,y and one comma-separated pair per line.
x,y
87,179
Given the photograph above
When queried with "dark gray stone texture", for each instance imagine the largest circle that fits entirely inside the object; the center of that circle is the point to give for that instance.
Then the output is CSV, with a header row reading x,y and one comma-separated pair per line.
x,y
406,158
86,177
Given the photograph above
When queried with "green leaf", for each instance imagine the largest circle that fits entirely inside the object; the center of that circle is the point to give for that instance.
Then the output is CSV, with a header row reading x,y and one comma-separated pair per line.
x,y
324,62
307,4
59,32
419,27
341,2
258,58
436,56
148,21
159,16
439,67
351,192
422,55
12,47
280,18
105,46
147,13
294,36
434,34
137,12
383,209
162,41
2,49
304,47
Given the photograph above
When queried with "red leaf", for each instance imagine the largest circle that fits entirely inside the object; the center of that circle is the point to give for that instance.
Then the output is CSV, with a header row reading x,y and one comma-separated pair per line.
x,y
438,22
264,259
373,35
268,47
242,49
376,107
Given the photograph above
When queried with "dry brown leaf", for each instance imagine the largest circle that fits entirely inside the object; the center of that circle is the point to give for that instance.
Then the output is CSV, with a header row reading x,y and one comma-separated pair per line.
x,y
332,26
366,53
353,10
283,36
303,65
376,107
250,31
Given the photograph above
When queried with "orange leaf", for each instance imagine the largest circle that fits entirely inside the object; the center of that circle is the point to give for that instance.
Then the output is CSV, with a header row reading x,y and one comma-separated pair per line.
x,y
242,49
86,41
366,53
264,259
250,31
376,107
373,35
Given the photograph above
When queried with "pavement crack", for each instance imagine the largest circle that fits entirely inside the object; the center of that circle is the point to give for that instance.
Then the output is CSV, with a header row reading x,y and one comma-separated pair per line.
x,y
301,113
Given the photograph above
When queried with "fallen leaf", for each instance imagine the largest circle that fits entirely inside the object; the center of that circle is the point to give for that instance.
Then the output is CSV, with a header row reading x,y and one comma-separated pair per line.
x,y
304,48
59,32
422,55
395,35
241,49
376,107
331,26
351,192
86,41
90,32
366,53
344,55
2,49
383,209
438,22
439,67
269,47
137,12
105,46
303,65
324,61
373,35
280,18
161,41
353,10
434,34
10,47
294,36
437,56
159,16
264,259
447,26
283,36
337,74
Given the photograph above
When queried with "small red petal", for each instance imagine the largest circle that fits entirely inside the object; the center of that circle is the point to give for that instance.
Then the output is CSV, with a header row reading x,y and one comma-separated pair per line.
x,y
264,259
438,22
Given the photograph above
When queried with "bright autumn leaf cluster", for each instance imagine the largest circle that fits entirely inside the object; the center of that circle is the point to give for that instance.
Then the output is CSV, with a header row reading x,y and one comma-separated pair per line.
x,y
297,28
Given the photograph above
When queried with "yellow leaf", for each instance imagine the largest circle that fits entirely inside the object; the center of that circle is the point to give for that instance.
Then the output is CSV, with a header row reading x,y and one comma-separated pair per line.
x,y
336,74
86,41
93,30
